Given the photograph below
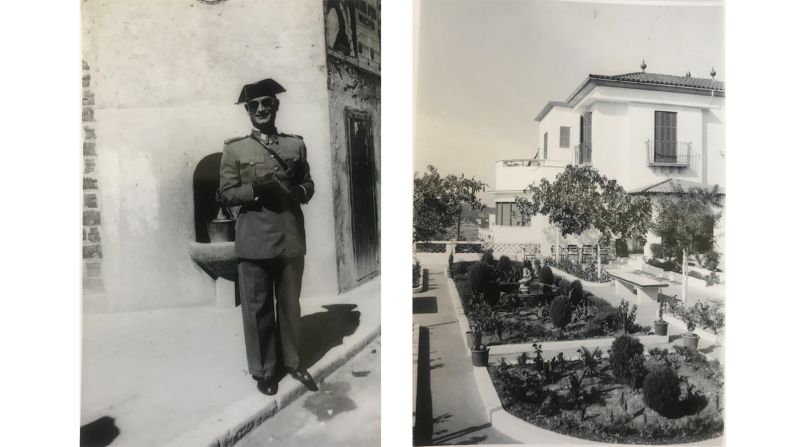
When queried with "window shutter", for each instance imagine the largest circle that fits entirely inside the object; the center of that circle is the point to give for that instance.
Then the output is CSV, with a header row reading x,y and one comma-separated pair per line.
x,y
545,145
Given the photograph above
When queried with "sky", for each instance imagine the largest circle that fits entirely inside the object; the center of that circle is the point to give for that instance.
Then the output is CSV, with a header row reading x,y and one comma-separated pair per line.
x,y
485,68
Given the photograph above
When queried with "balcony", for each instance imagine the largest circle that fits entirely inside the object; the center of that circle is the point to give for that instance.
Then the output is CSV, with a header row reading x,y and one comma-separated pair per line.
x,y
515,175
668,153
582,153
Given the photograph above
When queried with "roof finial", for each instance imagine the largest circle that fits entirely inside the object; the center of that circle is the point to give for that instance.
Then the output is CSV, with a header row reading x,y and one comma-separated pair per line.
x,y
687,75
713,72
643,65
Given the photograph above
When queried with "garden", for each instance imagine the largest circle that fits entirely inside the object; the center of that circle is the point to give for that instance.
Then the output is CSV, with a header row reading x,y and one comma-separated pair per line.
x,y
512,302
628,397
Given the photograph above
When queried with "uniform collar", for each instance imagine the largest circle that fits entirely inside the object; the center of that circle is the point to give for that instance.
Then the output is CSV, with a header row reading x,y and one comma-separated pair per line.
x,y
267,139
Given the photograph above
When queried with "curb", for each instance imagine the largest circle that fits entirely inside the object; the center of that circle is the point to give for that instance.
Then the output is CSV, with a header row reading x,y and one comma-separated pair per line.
x,y
238,419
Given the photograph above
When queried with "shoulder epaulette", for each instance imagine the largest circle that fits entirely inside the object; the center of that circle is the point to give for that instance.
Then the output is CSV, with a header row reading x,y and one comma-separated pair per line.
x,y
290,135
232,140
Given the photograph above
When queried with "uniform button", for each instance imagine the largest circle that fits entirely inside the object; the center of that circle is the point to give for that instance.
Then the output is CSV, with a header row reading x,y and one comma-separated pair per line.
x,y
271,156
275,168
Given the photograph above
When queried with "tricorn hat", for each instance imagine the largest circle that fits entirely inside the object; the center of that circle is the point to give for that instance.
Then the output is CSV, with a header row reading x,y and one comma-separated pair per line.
x,y
266,87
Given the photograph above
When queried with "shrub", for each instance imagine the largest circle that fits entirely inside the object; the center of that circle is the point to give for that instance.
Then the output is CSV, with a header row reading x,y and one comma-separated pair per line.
x,y
626,360
575,292
657,251
661,390
626,316
564,285
546,276
608,318
560,311
504,264
505,269
461,268
487,258
711,260
491,293
479,275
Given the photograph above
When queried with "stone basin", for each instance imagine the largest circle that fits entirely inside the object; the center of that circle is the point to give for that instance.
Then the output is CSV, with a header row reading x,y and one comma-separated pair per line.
x,y
216,258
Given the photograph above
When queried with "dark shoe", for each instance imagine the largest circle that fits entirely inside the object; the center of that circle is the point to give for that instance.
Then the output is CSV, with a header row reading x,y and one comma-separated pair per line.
x,y
267,386
304,377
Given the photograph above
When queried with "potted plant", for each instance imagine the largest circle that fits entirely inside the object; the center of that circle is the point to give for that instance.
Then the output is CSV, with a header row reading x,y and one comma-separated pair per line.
x,y
661,326
222,228
480,352
690,339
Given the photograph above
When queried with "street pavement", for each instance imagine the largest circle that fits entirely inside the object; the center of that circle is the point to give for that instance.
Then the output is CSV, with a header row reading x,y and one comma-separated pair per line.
x,y
345,411
453,400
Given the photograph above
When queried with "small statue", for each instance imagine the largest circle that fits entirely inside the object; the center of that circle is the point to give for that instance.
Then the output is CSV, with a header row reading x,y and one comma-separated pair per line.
x,y
527,276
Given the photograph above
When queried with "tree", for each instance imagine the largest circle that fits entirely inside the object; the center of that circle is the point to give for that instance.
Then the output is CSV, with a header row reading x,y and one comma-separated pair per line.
x,y
439,202
686,222
431,216
580,199
463,193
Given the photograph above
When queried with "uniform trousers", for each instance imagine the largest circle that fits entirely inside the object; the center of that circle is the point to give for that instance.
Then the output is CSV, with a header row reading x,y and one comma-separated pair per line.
x,y
265,331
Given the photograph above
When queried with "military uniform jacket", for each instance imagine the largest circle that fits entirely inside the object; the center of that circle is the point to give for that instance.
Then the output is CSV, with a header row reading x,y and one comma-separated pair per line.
x,y
266,227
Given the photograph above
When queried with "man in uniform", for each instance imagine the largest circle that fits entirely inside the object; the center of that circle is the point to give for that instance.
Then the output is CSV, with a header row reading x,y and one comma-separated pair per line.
x,y
266,173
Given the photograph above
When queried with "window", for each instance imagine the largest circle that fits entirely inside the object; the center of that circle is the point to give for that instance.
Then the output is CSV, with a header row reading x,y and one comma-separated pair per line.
x,y
507,215
564,136
664,137
545,145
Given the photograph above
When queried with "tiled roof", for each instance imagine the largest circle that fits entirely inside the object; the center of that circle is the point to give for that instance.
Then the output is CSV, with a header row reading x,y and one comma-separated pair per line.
x,y
667,187
664,79
640,80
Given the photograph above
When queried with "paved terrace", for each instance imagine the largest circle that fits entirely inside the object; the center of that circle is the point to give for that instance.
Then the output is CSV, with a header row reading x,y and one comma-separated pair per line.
x,y
179,377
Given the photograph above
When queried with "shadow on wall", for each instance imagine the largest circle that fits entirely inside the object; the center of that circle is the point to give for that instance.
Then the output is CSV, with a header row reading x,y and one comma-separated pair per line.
x,y
206,179
324,330
99,433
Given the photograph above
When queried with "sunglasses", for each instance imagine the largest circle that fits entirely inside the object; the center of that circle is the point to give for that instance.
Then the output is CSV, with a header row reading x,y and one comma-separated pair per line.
x,y
267,102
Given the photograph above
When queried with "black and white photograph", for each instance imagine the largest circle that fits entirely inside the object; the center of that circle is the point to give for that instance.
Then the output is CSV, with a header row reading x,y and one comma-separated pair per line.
x,y
569,223
231,223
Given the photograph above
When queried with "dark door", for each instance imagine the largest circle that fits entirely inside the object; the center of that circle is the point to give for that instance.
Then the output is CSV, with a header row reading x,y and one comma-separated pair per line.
x,y
364,199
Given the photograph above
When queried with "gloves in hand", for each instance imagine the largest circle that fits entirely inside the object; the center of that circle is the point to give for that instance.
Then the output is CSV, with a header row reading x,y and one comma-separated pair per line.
x,y
297,194
265,186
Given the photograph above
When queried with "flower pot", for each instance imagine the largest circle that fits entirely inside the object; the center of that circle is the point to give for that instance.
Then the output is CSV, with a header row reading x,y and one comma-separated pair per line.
x,y
660,328
221,230
480,357
690,341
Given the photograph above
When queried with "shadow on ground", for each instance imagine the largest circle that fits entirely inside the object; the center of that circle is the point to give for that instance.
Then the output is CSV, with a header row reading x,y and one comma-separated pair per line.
x,y
99,433
425,305
322,331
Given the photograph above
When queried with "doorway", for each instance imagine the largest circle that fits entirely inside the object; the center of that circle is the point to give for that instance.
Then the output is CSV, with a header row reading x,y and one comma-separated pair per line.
x,y
363,196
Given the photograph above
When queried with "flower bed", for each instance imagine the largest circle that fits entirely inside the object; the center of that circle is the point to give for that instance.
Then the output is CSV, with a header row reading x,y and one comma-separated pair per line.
x,y
548,312
586,272
589,398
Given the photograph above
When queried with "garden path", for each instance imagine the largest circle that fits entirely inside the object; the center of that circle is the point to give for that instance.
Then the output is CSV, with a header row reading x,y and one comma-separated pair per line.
x,y
455,405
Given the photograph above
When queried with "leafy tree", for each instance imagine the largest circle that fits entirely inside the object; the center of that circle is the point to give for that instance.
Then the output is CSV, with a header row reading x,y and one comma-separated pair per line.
x,y
439,202
580,199
431,216
686,222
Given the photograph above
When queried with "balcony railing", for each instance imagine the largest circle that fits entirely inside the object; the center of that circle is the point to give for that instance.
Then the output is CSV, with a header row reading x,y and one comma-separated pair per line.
x,y
582,153
668,153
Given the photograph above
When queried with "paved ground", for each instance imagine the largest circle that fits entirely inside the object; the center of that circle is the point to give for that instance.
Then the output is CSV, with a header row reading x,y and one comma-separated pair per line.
x,y
452,399
150,377
349,398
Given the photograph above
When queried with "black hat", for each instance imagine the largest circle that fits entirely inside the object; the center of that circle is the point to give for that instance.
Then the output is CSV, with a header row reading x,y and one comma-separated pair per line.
x,y
267,87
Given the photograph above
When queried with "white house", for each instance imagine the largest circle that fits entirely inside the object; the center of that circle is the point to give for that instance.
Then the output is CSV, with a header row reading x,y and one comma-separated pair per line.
x,y
646,130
